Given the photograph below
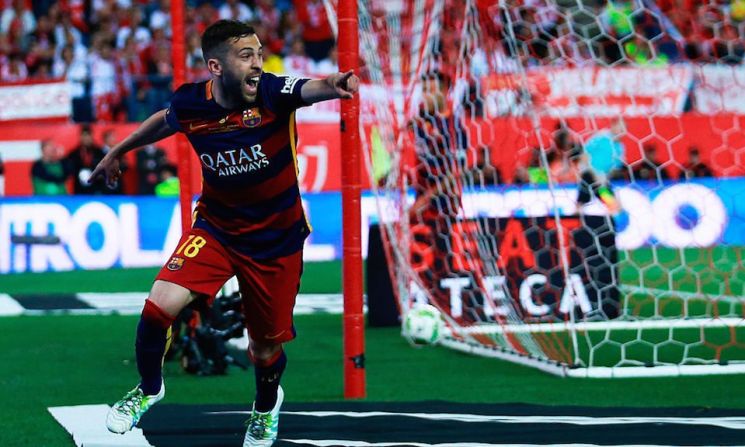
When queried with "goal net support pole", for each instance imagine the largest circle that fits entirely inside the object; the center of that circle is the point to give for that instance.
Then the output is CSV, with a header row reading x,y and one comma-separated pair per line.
x,y
354,322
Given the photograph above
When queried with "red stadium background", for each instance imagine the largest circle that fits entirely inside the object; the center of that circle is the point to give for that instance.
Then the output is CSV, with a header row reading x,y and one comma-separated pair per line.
x,y
507,137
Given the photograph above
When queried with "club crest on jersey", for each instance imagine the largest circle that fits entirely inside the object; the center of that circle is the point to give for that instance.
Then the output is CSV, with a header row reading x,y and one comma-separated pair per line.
x,y
251,117
175,263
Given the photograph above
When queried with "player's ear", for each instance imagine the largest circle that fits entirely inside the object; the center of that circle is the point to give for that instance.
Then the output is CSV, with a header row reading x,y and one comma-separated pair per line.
x,y
214,66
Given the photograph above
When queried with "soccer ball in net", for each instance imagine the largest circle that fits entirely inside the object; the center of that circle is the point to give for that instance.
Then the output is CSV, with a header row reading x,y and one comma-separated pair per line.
x,y
423,324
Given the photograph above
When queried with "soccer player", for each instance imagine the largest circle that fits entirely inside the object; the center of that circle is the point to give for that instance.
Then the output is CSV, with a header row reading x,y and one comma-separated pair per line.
x,y
603,154
441,143
249,219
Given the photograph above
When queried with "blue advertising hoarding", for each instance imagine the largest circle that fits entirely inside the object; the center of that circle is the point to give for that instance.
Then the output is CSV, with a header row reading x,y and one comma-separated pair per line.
x,y
104,231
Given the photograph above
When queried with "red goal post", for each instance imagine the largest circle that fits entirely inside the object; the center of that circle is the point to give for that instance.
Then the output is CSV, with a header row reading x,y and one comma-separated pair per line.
x,y
354,319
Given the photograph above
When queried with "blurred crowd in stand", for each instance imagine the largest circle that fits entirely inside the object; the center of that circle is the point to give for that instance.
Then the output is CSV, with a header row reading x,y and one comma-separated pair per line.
x,y
117,53
57,173
567,157
612,32
117,56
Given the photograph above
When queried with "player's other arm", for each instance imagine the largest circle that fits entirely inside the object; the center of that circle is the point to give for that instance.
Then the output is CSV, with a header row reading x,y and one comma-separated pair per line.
x,y
335,86
153,129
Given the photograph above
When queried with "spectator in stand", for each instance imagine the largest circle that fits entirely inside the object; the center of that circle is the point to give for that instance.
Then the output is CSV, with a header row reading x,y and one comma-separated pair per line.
x,y
559,169
668,47
75,71
65,33
160,18
150,160
42,43
194,60
36,58
105,28
695,167
273,62
297,63
134,86
523,171
268,13
640,52
78,11
317,34
160,73
727,46
648,25
561,166
562,138
292,29
159,40
271,47
104,81
49,173
235,10
617,18
328,65
135,28
15,70
17,22
5,49
40,7
648,169
169,185
43,72
204,15
483,173
270,19
81,162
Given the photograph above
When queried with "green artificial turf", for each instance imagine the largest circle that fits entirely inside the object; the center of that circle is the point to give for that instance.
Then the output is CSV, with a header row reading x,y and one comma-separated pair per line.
x,y
318,277
75,360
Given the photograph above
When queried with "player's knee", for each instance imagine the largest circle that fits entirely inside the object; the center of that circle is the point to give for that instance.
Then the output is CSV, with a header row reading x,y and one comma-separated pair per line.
x,y
262,352
170,297
154,314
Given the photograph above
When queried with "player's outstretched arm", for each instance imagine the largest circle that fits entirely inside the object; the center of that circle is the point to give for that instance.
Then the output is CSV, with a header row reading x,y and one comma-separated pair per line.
x,y
153,129
335,86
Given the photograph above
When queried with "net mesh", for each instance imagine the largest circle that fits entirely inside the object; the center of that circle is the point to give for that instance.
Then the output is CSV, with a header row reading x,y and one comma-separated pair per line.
x,y
562,179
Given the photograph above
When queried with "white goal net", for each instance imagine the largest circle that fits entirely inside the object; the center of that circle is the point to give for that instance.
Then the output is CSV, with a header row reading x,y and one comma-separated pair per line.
x,y
563,179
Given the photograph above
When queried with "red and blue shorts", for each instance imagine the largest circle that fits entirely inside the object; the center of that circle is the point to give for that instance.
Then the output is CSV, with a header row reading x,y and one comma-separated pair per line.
x,y
268,286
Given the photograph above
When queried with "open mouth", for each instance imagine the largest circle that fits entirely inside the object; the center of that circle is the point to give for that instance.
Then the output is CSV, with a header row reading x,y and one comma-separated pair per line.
x,y
253,82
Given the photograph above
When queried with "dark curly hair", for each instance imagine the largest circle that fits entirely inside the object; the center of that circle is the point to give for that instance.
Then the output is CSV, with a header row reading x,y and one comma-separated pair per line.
x,y
215,36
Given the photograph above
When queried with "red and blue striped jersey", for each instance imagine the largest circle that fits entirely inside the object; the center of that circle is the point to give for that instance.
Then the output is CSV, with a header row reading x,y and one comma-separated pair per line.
x,y
250,196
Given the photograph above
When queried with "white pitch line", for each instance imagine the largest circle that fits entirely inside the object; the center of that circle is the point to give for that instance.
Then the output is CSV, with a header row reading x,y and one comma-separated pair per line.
x,y
348,443
734,423
87,425
677,293
606,325
9,306
131,303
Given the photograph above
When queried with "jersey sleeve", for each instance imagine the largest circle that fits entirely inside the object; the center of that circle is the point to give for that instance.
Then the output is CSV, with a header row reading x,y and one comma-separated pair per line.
x,y
282,93
178,101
